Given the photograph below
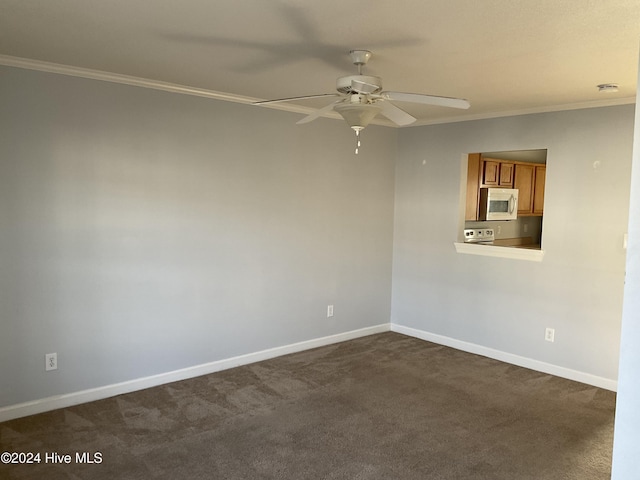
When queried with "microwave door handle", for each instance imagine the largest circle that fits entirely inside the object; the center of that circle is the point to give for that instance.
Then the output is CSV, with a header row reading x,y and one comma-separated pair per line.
x,y
512,204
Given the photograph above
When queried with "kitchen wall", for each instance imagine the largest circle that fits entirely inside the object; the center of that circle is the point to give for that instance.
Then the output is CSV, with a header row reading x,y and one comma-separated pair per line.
x,y
503,305
145,232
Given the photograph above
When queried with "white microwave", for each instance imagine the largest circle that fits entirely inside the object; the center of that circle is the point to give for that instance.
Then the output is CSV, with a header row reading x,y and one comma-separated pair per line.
x,y
498,204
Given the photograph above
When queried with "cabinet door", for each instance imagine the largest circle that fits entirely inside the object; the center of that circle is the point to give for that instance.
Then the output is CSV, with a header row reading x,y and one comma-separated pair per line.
x,y
506,175
524,182
490,173
538,194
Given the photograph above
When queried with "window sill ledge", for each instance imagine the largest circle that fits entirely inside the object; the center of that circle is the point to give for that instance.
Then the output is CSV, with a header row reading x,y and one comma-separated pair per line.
x,y
532,255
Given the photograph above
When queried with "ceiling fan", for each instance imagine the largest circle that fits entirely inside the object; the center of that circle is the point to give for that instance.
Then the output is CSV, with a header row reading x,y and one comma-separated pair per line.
x,y
362,99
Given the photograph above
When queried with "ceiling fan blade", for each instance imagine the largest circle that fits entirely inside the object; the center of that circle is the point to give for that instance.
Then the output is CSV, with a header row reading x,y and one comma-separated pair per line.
x,y
426,99
292,99
395,114
318,113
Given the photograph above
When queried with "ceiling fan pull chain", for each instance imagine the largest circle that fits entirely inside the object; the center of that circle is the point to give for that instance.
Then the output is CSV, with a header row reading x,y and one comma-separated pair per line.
x,y
357,141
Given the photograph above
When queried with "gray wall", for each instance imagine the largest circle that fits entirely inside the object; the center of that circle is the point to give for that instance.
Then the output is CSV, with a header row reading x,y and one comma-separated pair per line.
x,y
505,304
145,232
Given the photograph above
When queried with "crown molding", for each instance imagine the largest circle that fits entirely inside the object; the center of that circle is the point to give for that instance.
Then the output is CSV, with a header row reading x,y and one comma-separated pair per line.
x,y
529,111
72,71
81,72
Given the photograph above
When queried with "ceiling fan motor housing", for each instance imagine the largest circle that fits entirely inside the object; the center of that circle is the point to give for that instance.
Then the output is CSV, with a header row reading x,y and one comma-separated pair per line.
x,y
370,83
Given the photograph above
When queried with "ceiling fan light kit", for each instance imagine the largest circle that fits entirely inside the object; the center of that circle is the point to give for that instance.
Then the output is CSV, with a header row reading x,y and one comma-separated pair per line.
x,y
357,115
362,99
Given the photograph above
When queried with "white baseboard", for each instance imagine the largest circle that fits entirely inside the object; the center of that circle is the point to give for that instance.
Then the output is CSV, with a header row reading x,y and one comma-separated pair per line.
x,y
61,401
525,362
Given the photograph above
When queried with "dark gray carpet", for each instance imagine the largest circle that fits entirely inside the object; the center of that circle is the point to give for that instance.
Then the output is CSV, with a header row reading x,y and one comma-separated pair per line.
x,y
381,407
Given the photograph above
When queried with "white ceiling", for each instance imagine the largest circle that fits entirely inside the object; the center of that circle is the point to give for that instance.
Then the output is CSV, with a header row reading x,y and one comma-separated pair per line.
x,y
505,56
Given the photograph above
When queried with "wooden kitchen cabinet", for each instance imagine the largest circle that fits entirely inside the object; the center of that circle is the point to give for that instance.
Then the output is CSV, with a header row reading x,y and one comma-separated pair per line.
x,y
506,175
523,180
497,173
538,191
490,173
529,179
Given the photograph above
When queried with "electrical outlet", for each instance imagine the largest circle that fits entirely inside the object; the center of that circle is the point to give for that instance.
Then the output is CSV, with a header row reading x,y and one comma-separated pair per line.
x,y
329,311
549,334
51,361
